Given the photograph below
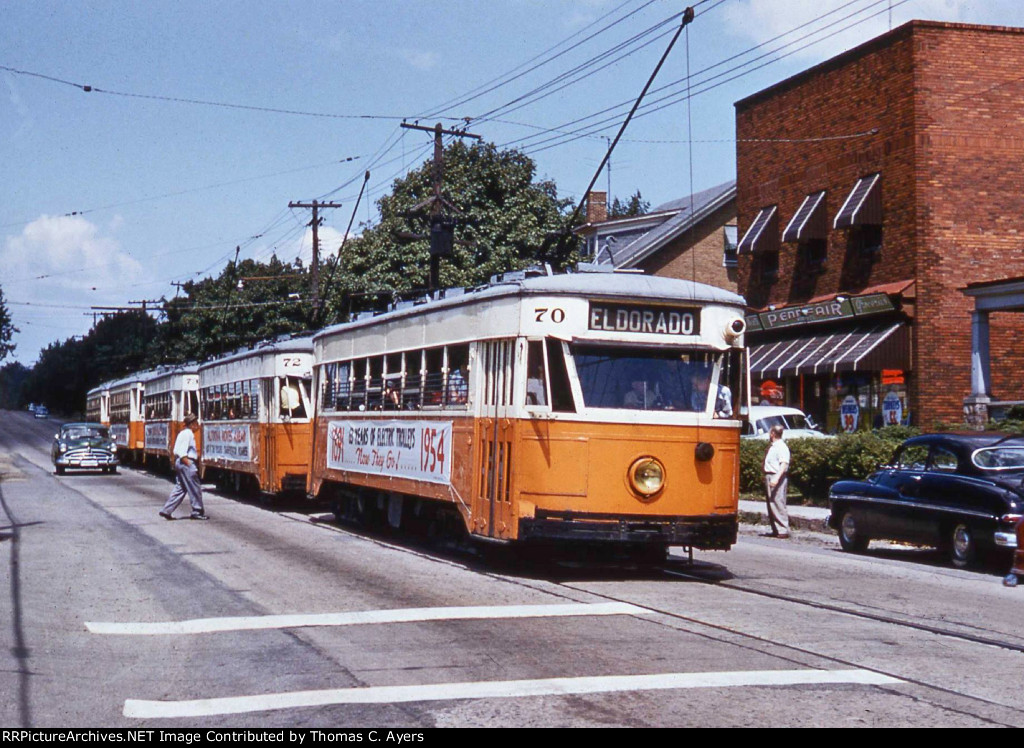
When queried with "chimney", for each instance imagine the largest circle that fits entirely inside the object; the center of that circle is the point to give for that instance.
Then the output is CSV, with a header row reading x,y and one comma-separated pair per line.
x,y
597,207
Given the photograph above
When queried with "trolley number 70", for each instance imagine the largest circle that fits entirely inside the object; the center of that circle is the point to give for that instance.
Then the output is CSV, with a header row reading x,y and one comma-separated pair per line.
x,y
432,450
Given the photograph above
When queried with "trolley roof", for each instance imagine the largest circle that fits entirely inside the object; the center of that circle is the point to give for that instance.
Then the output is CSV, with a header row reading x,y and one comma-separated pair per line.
x,y
592,285
265,348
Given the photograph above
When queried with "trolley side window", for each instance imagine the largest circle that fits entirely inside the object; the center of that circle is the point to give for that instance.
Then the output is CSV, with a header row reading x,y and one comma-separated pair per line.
x,y
457,390
561,389
433,381
412,390
294,396
536,375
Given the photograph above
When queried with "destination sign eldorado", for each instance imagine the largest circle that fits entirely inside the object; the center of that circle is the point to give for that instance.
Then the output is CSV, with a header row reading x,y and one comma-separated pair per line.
x,y
635,318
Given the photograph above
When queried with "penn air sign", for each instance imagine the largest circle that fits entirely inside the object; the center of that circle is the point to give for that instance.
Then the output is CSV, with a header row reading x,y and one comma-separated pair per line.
x,y
643,319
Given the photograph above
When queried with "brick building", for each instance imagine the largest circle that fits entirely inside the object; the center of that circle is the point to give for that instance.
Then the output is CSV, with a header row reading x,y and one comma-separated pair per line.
x,y
694,237
871,190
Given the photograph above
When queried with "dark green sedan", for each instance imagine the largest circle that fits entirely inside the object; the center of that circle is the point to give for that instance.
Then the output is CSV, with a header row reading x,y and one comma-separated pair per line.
x,y
84,446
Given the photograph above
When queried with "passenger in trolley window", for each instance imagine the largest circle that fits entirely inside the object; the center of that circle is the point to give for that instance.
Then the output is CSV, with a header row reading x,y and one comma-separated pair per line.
x,y
390,399
536,389
458,389
186,474
698,389
723,403
641,396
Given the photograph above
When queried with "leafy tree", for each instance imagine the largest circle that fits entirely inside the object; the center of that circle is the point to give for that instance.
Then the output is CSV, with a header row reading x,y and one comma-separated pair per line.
x,y
7,329
12,382
635,206
246,303
504,218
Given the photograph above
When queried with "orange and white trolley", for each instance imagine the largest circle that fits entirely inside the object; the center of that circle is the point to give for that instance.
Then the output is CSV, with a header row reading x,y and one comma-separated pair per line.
x,y
127,416
256,417
594,407
170,394
97,405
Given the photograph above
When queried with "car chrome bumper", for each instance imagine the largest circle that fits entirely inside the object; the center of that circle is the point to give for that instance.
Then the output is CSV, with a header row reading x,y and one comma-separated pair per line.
x,y
86,462
1006,539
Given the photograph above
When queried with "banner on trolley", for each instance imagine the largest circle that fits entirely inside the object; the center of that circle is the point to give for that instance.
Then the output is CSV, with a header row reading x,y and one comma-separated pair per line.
x,y
420,450
119,433
229,443
157,436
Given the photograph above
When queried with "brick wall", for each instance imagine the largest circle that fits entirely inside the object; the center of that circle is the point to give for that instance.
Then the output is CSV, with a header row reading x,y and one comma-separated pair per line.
x,y
970,144
945,100
701,262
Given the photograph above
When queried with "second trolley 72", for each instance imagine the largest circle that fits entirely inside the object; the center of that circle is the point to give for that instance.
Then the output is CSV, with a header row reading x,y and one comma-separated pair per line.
x,y
593,407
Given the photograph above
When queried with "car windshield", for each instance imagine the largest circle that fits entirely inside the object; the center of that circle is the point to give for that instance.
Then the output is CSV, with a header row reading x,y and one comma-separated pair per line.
x,y
1000,458
84,432
645,379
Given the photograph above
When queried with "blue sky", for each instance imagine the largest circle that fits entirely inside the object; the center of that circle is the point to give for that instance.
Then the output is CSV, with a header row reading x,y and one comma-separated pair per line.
x,y
111,196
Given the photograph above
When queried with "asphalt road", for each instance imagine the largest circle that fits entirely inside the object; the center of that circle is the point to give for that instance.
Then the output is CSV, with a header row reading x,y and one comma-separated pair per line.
x,y
321,625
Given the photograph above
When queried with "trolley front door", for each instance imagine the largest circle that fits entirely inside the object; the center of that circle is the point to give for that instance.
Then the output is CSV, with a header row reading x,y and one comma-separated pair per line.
x,y
494,471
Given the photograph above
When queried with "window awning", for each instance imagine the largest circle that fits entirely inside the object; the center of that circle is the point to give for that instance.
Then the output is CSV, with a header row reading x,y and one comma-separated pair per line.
x,y
864,348
810,222
863,206
763,232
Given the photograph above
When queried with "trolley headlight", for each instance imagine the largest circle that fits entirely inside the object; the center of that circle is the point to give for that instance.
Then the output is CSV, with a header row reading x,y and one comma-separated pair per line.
x,y
647,476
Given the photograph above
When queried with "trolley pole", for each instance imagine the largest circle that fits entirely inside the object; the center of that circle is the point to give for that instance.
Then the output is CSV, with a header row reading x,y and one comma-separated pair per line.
x,y
440,230
314,268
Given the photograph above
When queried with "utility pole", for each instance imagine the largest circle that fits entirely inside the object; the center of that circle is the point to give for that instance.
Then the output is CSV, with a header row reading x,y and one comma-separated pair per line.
x,y
314,268
442,228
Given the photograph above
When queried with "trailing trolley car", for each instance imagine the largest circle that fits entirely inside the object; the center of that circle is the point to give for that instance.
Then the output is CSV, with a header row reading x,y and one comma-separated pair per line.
x,y
256,416
169,396
127,417
97,405
592,407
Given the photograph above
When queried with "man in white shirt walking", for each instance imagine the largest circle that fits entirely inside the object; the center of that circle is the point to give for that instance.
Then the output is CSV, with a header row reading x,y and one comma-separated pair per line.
x,y
186,474
776,482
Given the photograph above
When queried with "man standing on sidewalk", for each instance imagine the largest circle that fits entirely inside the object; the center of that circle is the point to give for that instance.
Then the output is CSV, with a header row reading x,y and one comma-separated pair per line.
x,y
776,482
186,473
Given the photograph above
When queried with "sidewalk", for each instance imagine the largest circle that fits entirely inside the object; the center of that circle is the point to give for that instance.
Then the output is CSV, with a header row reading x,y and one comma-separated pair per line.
x,y
800,517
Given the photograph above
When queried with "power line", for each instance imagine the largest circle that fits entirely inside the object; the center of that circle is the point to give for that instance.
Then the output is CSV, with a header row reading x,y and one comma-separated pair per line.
x,y
657,105
616,109
202,102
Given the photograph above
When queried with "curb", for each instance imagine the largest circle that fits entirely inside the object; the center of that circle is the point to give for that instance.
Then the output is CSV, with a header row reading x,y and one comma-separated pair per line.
x,y
813,524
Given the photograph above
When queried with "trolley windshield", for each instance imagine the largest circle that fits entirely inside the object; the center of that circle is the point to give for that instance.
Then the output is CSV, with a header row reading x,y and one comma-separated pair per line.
x,y
642,379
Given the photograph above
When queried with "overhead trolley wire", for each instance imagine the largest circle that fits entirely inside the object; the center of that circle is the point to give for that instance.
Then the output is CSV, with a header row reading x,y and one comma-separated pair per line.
x,y
202,102
618,108
656,105
488,87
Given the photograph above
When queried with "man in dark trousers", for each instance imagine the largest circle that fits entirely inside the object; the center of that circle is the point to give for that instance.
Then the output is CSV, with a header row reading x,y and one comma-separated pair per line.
x,y
186,473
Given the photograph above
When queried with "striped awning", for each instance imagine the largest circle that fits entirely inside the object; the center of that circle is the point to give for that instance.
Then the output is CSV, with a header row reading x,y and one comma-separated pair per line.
x,y
866,348
863,206
810,222
763,234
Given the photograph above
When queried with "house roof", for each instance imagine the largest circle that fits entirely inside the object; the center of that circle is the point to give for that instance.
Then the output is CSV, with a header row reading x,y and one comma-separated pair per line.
x,y
682,215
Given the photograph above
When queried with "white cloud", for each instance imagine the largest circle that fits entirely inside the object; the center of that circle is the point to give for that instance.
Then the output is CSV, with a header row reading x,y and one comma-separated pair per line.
x,y
419,59
758,21
302,247
54,270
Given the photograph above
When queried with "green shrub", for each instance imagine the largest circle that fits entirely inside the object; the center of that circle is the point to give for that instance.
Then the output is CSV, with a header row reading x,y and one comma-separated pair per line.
x,y
815,464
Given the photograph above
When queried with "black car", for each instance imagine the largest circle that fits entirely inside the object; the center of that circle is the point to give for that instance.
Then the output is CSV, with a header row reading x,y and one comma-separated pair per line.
x,y
86,446
963,493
